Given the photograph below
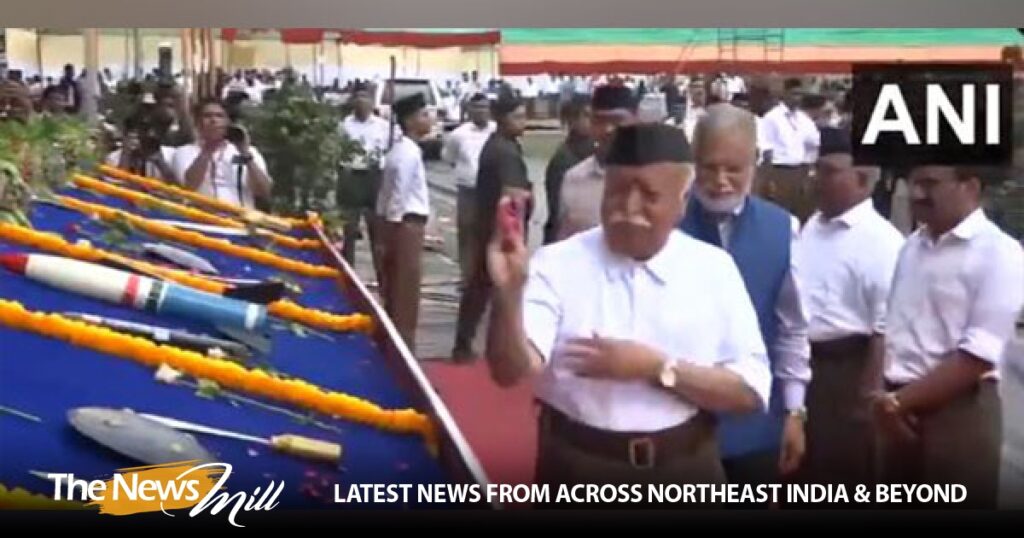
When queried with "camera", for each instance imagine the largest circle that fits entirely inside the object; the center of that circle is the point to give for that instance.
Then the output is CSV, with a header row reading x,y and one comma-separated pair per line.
x,y
149,144
236,134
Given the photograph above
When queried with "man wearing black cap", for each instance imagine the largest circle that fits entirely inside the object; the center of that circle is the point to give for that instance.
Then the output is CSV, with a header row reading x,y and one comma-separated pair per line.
x,y
360,176
626,385
955,296
577,146
502,170
760,236
403,206
579,205
847,254
792,139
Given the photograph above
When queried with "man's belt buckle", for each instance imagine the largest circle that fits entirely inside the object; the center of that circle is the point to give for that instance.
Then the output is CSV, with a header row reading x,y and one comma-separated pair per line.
x,y
641,452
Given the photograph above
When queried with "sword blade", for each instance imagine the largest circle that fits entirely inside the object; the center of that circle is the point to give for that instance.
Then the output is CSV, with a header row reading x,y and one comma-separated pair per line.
x,y
198,428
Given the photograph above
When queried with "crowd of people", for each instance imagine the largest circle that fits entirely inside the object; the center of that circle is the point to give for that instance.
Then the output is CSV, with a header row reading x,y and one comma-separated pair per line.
x,y
719,297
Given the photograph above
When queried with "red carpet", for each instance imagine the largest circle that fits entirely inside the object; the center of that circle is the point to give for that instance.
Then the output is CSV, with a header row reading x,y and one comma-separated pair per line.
x,y
499,424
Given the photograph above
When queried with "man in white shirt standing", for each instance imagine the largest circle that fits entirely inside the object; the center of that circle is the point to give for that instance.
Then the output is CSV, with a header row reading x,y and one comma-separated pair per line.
x,y
695,106
529,94
462,151
761,238
230,171
359,181
956,294
627,386
847,254
403,206
792,141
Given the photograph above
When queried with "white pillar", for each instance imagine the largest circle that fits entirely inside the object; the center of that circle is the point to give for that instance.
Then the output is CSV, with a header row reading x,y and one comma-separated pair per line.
x,y
138,66
90,87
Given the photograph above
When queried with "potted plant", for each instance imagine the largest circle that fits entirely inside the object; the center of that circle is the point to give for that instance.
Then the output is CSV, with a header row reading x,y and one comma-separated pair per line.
x,y
303,146
36,158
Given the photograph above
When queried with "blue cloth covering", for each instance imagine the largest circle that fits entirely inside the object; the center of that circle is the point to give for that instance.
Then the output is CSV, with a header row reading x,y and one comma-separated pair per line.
x,y
759,244
46,378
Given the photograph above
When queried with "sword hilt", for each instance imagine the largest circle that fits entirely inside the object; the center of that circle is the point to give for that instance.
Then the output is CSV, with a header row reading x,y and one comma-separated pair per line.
x,y
305,447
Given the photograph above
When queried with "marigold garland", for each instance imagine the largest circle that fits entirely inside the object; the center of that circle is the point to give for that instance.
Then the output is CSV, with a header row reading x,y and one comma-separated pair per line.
x,y
285,308
225,373
197,215
167,231
197,239
192,196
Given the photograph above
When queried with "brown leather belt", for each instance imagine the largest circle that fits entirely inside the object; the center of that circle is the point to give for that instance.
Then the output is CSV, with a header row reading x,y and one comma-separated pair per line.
x,y
841,347
642,450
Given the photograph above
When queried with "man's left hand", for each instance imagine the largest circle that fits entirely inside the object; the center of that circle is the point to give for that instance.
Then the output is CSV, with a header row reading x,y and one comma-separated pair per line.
x,y
612,358
794,445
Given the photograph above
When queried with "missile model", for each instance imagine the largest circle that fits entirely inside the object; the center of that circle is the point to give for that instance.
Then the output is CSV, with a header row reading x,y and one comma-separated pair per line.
x,y
136,291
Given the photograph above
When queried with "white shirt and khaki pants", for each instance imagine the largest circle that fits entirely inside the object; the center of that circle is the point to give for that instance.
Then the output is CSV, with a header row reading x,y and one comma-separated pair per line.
x,y
847,266
403,206
793,140
359,181
613,432
962,291
462,150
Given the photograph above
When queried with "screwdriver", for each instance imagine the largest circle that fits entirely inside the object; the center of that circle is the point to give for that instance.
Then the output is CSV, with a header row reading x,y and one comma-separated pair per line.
x,y
295,445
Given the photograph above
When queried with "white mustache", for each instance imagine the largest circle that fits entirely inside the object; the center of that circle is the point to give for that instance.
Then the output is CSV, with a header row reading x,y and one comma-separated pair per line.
x,y
631,220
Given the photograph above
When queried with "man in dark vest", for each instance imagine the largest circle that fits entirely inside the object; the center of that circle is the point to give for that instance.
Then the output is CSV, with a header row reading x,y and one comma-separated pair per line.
x,y
756,448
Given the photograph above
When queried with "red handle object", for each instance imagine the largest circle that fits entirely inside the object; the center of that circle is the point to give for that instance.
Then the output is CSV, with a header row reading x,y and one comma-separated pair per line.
x,y
510,222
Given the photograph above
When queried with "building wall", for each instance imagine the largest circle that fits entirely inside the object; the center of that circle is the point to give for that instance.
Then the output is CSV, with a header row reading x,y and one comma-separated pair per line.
x,y
116,48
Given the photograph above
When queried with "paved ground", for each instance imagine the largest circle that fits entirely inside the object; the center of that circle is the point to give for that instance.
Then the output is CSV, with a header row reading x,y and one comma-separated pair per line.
x,y
440,264
440,302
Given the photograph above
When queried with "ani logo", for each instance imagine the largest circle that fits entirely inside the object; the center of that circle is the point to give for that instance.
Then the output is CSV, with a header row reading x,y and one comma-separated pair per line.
x,y
941,114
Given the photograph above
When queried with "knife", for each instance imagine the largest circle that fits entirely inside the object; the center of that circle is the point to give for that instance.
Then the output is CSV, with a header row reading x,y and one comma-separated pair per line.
x,y
295,445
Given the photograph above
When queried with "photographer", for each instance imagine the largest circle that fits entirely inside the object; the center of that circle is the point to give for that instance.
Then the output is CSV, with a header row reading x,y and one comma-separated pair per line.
x,y
141,152
222,164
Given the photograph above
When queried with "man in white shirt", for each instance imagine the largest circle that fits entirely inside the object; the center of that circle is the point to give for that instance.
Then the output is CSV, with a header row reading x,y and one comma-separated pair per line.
x,y
956,294
695,103
230,171
847,254
761,238
236,85
735,85
529,94
462,151
359,180
792,140
579,206
626,385
403,206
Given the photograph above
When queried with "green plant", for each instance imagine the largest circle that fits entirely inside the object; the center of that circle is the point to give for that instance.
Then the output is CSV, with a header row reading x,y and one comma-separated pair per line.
x,y
37,156
300,139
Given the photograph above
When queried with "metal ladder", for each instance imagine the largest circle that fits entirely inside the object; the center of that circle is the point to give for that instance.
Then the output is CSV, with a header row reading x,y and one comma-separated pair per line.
x,y
771,40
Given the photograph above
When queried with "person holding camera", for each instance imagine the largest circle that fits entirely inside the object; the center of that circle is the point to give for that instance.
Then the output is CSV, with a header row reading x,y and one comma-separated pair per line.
x,y
141,152
222,164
